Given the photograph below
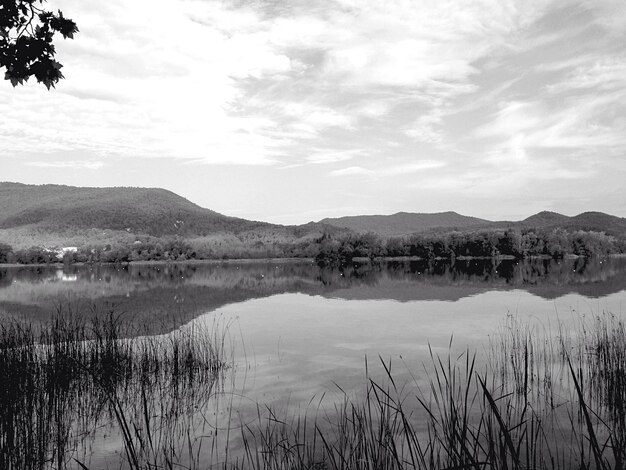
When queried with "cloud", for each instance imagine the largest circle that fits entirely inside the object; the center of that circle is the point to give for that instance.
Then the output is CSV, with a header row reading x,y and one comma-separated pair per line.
x,y
411,168
427,128
584,121
607,73
330,156
352,171
247,84
73,164
488,89
394,170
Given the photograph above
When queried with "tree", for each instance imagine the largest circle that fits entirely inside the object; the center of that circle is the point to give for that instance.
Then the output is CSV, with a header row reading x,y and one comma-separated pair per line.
x,y
6,253
26,34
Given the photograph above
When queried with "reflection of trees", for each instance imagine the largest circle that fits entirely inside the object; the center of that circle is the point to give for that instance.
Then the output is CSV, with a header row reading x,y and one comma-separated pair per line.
x,y
5,278
165,296
568,275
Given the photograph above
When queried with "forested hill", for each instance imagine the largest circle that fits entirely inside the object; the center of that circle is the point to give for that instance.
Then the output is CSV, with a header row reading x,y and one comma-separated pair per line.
x,y
159,213
151,211
545,219
405,223
587,221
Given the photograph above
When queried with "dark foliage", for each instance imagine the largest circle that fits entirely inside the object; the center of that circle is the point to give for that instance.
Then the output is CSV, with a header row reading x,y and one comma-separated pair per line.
x,y
26,35
343,248
34,255
555,243
6,253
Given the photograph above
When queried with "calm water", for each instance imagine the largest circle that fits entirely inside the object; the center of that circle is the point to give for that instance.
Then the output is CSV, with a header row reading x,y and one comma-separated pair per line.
x,y
298,331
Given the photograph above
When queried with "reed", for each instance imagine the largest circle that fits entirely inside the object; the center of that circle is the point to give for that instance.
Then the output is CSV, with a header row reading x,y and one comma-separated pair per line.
x,y
541,400
63,380
539,397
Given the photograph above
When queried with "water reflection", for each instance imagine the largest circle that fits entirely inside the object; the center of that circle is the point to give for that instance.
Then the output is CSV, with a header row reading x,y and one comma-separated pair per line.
x,y
306,342
171,295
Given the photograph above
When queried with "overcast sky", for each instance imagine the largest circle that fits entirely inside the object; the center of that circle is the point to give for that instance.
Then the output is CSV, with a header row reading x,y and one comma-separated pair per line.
x,y
291,111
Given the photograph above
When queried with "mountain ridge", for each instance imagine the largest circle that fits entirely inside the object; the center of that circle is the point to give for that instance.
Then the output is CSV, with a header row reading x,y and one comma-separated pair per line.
x,y
404,223
160,212
387,225
154,211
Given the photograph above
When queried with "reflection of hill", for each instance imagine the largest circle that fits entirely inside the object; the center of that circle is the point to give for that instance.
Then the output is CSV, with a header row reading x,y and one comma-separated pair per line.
x,y
159,297
443,281
162,296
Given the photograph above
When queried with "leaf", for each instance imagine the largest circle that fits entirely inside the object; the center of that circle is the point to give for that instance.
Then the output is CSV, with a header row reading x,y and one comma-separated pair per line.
x,y
32,51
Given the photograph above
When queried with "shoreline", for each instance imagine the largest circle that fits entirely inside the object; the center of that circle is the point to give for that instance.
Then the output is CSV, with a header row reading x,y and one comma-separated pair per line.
x,y
356,260
166,262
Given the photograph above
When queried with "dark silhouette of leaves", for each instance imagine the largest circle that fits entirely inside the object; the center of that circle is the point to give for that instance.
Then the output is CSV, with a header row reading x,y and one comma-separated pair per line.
x,y
26,35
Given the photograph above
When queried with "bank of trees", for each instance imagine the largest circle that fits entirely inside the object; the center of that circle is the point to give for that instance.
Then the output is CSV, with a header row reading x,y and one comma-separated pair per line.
x,y
341,249
555,243
32,255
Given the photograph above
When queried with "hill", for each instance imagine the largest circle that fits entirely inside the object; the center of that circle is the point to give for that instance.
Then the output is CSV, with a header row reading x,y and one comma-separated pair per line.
x,y
587,221
151,211
597,221
55,215
405,223
545,219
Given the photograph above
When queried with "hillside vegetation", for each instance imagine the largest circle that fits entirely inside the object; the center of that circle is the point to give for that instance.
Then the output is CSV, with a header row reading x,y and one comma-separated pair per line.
x,y
150,211
142,224
404,223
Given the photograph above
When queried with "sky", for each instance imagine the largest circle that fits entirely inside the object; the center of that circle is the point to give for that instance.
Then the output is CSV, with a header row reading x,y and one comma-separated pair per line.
x,y
292,111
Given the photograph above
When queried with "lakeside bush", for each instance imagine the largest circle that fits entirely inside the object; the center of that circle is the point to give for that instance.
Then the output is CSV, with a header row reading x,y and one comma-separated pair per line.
x,y
6,253
338,249
481,244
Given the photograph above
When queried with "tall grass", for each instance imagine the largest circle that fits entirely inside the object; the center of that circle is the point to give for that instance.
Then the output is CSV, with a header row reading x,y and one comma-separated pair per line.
x,y
537,398
65,380
540,400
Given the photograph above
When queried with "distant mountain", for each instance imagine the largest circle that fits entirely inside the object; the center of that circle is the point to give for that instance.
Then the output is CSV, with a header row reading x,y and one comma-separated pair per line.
x,y
545,219
405,223
151,211
588,221
33,213
597,221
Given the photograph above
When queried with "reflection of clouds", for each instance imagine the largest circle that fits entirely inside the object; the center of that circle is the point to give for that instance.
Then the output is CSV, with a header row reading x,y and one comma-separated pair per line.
x,y
309,346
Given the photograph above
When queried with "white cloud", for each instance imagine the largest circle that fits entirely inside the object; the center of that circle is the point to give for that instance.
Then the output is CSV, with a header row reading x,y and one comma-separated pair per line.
x,y
73,164
211,82
352,171
427,128
383,89
607,73
412,167
330,156
394,170
579,122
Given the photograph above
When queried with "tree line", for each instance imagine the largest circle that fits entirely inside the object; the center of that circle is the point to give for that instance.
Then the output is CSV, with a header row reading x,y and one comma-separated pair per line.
x,y
343,248
555,243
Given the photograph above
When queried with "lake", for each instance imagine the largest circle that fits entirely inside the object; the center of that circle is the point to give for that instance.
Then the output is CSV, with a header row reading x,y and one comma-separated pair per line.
x,y
299,334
